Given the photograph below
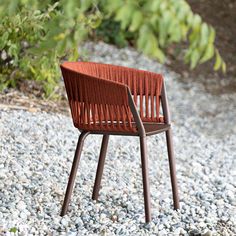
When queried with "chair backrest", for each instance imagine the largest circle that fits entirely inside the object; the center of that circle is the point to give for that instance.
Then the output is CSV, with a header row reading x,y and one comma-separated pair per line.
x,y
96,103
98,95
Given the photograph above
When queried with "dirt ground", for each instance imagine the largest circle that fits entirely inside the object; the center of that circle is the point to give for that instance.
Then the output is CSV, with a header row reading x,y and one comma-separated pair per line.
x,y
222,16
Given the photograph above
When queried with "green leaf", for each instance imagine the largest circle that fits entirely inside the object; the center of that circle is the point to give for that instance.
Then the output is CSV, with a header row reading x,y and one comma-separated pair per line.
x,y
163,6
124,15
212,35
12,7
141,41
154,21
223,67
190,18
136,21
204,35
5,36
3,40
85,4
181,13
209,53
195,56
13,230
158,53
94,21
150,44
187,56
112,6
164,24
75,54
184,31
194,39
218,61
155,5
175,33
143,31
196,22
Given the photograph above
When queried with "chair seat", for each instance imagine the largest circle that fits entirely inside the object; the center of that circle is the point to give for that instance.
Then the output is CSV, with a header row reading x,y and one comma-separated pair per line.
x,y
155,128
150,129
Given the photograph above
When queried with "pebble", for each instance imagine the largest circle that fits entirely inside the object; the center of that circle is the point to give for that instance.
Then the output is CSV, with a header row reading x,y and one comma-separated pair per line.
x,y
194,232
64,222
37,148
207,233
23,215
21,205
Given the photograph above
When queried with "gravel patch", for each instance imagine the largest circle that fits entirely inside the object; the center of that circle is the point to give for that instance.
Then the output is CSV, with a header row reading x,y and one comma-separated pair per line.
x,y
37,148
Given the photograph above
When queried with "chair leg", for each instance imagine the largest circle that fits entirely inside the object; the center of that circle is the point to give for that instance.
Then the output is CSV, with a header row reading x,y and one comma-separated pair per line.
x,y
172,168
100,167
146,188
74,168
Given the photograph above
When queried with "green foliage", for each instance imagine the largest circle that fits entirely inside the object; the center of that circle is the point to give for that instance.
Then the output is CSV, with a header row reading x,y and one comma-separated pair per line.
x,y
13,230
153,25
35,36
110,31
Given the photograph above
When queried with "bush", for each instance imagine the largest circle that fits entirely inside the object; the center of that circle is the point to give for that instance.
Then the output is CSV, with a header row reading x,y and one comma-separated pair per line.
x,y
110,31
155,24
35,36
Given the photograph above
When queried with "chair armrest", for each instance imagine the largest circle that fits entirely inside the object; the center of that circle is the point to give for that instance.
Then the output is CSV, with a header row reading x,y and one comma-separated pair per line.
x,y
97,104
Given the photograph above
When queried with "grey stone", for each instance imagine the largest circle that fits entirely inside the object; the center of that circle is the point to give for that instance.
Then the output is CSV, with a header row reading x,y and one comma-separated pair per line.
x,y
194,232
36,152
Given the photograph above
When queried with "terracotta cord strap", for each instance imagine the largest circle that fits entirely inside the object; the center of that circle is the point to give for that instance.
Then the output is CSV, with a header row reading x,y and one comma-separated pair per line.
x,y
98,96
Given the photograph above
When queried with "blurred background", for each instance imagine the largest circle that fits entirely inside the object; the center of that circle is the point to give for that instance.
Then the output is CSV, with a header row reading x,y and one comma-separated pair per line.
x,y
193,38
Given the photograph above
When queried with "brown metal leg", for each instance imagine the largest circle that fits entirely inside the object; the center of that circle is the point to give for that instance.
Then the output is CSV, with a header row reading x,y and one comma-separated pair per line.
x,y
74,168
172,168
146,188
100,167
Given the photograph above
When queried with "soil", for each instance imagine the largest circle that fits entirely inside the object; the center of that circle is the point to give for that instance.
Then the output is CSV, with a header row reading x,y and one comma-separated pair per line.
x,y
23,100
222,16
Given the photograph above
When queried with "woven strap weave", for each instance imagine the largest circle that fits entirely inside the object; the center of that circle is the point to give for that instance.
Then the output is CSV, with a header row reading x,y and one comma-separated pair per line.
x,y
98,95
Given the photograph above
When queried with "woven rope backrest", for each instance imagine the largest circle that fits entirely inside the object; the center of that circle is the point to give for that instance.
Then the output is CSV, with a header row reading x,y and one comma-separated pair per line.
x,y
145,86
96,103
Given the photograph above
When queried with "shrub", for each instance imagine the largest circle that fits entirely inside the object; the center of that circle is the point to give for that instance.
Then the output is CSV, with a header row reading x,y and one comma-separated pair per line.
x,y
110,31
35,36
155,24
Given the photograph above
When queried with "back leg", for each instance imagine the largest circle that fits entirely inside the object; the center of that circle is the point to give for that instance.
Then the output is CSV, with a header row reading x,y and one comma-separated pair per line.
x,y
172,168
100,167
146,188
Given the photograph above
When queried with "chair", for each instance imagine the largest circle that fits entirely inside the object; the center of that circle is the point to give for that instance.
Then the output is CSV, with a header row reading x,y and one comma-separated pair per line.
x,y
114,100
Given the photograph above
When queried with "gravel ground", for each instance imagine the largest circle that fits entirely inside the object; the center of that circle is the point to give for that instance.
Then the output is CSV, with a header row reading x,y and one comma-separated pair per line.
x,y
36,152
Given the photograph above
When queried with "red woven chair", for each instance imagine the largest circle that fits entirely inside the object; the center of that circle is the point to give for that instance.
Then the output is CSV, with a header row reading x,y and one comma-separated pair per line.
x,y
115,100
